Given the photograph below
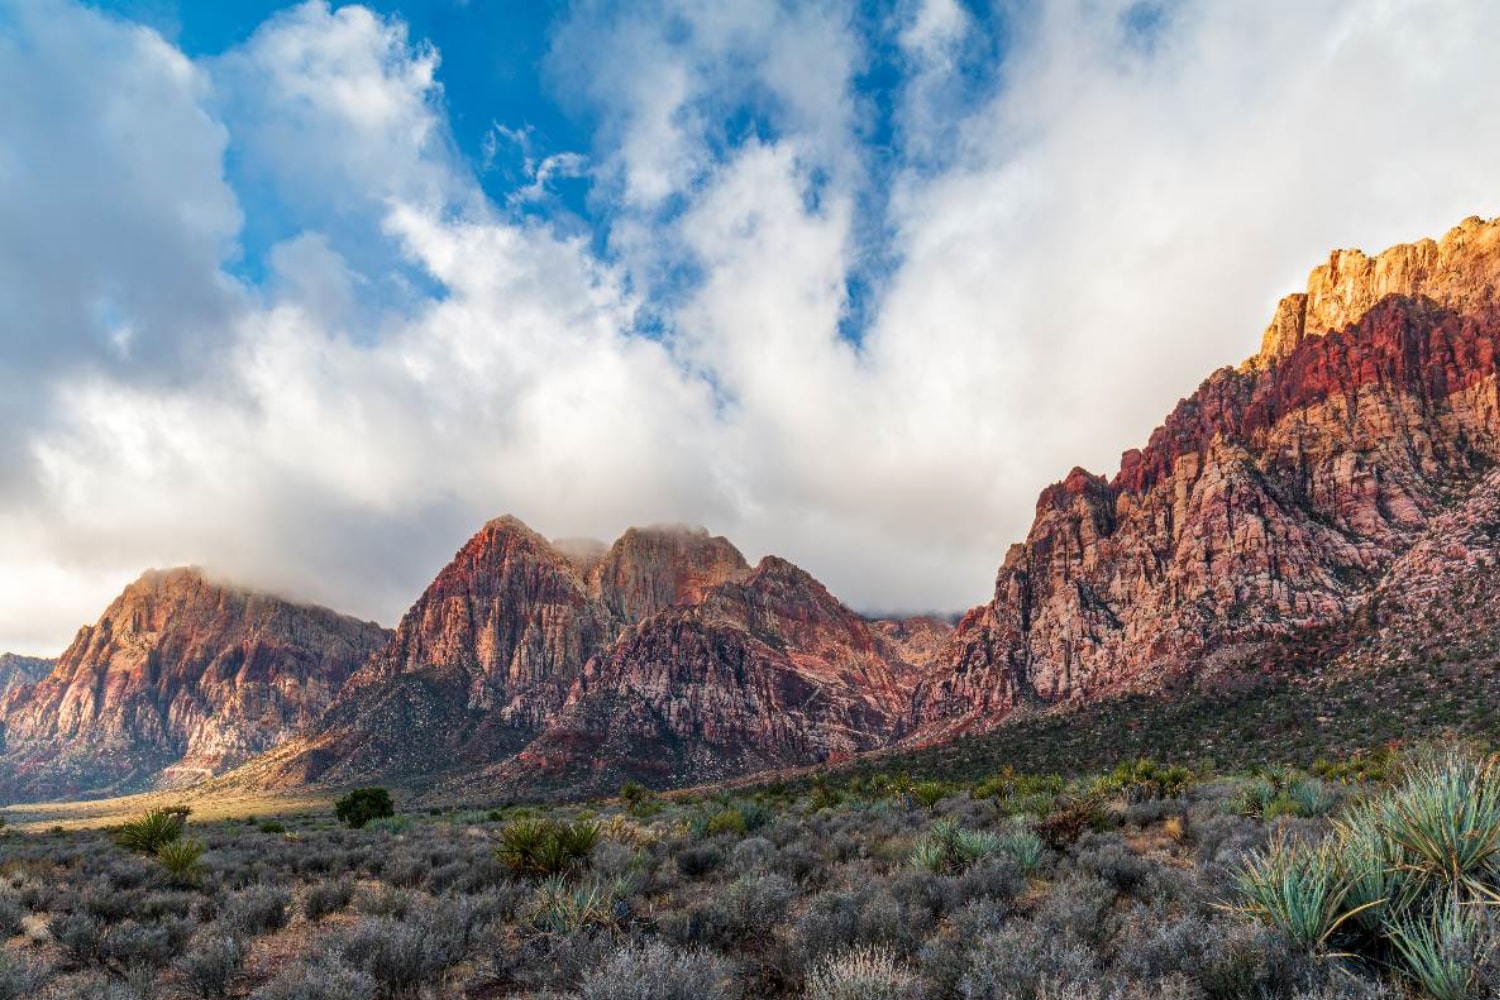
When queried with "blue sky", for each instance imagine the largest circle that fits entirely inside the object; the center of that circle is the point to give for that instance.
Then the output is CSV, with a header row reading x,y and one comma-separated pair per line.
x,y
305,293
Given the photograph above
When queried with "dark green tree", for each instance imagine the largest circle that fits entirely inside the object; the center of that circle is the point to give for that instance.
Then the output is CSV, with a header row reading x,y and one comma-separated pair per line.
x,y
362,805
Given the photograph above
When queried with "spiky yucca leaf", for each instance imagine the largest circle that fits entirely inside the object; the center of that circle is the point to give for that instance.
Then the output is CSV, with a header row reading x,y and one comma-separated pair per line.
x,y
1297,888
1444,953
151,832
1445,816
180,859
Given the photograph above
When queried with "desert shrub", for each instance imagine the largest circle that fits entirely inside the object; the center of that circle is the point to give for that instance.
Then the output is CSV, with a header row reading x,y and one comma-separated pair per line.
x,y
395,954
21,978
258,910
326,898
749,908
363,805
696,861
135,945
11,915
80,937
212,965
862,974
384,902
272,826
534,848
322,979
655,971
1022,962
1068,820
999,879
1108,858
754,854
1078,909
389,824
151,832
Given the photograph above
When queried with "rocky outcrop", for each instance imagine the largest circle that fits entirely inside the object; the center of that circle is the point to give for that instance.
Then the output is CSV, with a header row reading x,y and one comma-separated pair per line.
x,y
1275,499
180,678
667,657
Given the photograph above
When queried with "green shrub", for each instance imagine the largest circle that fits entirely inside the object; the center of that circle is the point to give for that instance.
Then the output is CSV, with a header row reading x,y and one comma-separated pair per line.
x,y
726,821
562,908
362,805
271,826
928,794
150,833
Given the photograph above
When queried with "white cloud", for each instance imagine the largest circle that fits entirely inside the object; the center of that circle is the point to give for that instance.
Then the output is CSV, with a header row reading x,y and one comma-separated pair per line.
x,y
1072,252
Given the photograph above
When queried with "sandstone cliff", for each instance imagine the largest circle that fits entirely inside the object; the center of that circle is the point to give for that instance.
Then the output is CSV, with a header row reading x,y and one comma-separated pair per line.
x,y
1276,499
179,679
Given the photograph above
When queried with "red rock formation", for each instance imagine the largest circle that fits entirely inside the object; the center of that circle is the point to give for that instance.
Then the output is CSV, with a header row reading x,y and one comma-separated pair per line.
x,y
1274,499
671,658
180,678
17,676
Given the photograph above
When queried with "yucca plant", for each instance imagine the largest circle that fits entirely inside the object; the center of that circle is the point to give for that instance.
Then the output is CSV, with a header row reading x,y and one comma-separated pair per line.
x,y
1445,816
180,859
562,908
1444,952
1297,888
1372,867
542,848
151,832
1024,848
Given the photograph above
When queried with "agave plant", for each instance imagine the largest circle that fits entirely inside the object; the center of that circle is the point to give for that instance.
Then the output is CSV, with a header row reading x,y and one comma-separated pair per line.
x,y
1024,848
542,848
562,908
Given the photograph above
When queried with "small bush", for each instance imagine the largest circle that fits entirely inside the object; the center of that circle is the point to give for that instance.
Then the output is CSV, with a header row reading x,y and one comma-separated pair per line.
x,y
655,971
327,898
258,910
362,805
862,974
212,965
21,979
326,979
272,826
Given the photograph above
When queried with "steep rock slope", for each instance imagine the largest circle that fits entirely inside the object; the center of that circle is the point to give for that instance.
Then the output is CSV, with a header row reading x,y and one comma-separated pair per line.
x,y
180,678
1273,500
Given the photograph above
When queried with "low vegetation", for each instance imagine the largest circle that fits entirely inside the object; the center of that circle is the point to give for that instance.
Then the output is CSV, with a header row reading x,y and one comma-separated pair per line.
x,y
1363,878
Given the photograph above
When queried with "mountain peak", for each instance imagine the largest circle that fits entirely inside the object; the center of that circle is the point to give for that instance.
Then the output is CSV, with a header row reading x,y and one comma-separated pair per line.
x,y
1461,271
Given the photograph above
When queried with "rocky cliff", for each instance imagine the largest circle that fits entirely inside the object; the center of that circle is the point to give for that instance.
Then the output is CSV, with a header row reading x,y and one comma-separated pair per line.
x,y
1276,499
180,678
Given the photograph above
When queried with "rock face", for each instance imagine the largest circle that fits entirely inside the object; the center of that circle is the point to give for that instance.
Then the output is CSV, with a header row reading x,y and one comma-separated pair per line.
x,y
666,657
179,679
17,675
1279,497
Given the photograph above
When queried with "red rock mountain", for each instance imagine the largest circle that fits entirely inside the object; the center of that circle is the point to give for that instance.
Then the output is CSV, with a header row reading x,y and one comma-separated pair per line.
x,y
180,678
17,676
1279,497
666,656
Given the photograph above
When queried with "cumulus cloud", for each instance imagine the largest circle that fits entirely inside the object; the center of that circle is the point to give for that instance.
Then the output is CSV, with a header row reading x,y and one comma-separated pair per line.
x,y
1075,236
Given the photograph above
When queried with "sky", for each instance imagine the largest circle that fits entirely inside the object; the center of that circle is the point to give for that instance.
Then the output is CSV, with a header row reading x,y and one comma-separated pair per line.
x,y
305,294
